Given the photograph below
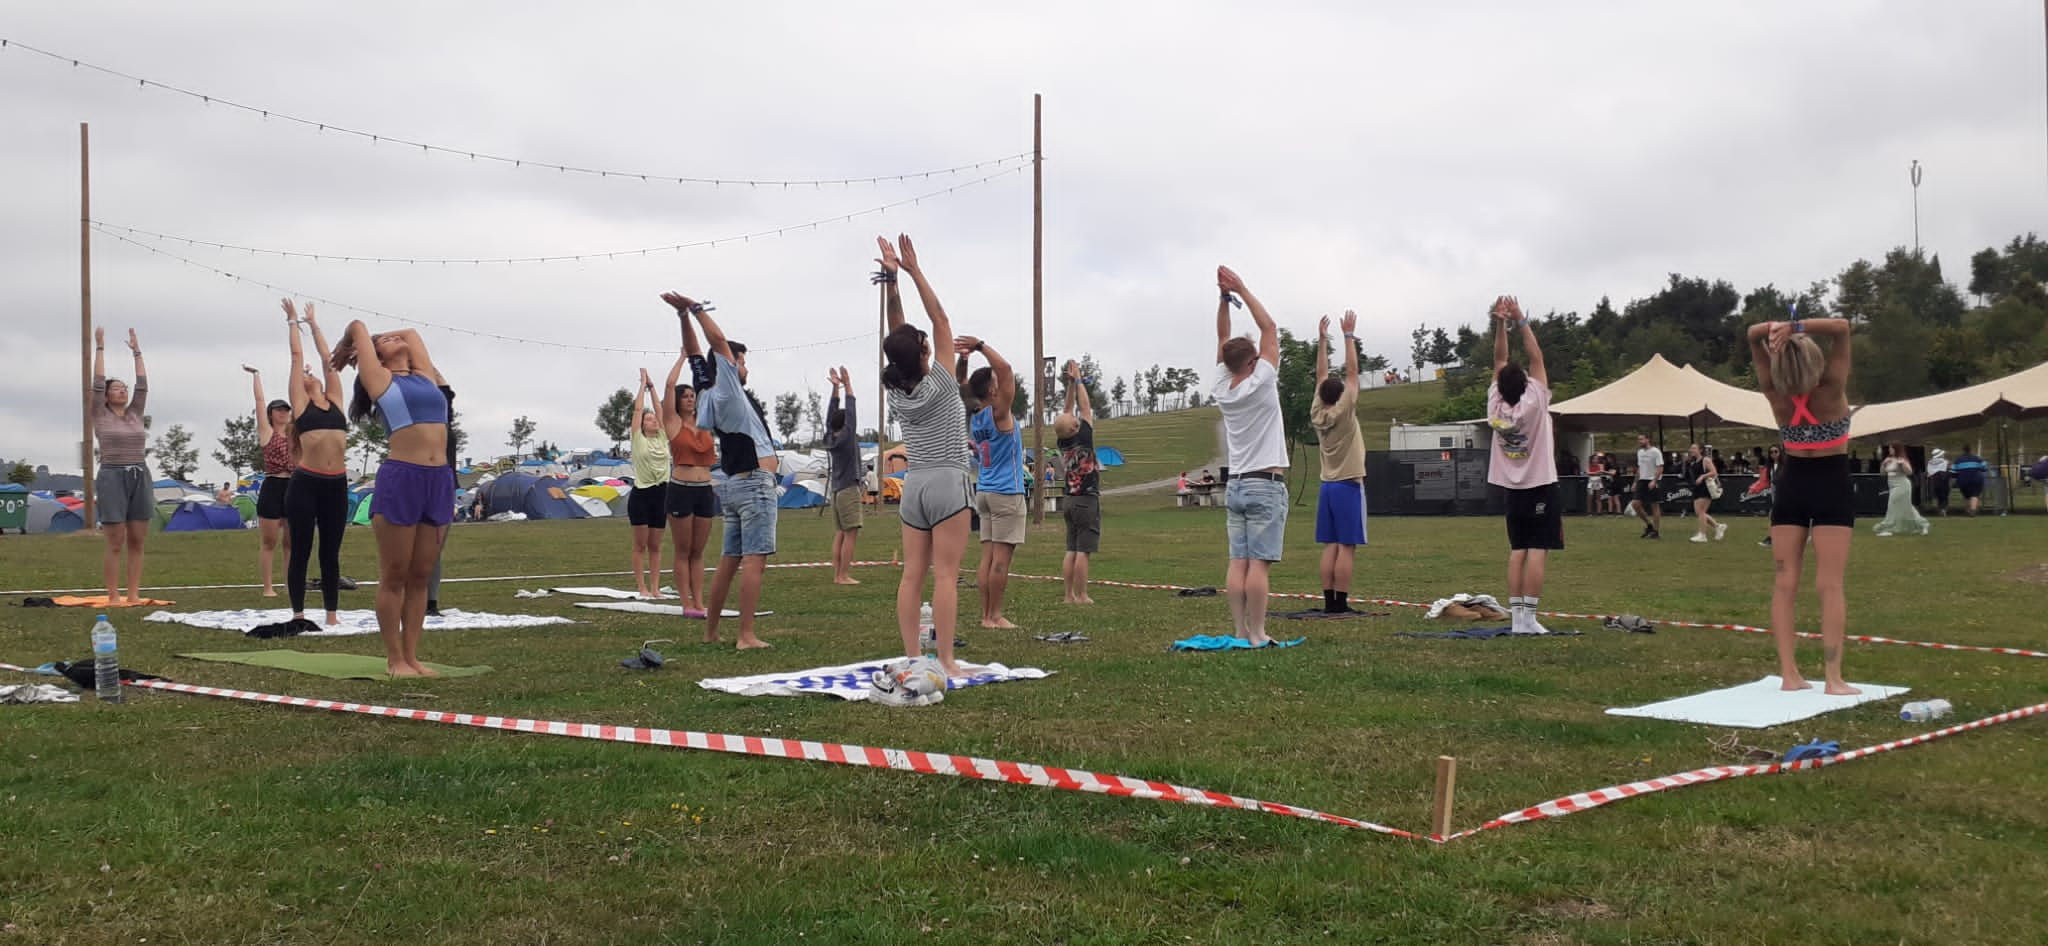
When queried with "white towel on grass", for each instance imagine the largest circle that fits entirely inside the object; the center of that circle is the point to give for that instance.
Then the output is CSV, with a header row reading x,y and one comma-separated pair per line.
x,y
649,607
1757,705
352,622
850,681
619,594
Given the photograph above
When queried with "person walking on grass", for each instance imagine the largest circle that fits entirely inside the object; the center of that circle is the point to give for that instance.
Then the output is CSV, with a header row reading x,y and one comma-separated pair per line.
x,y
316,495
925,396
1938,478
1255,501
1075,430
1648,502
842,447
274,433
999,474
1340,500
1808,392
1518,410
1900,518
689,500
415,497
647,504
1971,472
746,453
1705,477
126,494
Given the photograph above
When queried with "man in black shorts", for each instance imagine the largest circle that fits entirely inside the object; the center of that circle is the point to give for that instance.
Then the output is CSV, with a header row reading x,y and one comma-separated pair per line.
x,y
1649,502
1523,463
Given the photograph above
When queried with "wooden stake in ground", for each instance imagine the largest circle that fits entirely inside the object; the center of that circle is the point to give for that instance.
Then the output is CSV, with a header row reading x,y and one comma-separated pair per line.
x,y
1446,784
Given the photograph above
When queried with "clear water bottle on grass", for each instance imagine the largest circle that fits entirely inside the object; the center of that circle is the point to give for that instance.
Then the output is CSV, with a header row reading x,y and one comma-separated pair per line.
x,y
927,632
1922,711
106,662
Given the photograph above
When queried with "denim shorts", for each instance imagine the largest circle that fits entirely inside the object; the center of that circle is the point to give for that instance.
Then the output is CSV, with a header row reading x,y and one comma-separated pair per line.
x,y
1256,514
749,503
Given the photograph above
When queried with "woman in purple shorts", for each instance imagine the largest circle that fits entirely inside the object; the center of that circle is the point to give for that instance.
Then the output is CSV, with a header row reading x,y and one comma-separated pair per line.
x,y
415,494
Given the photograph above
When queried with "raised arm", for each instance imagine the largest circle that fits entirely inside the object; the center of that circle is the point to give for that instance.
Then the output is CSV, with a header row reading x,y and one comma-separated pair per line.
x,y
1839,352
1078,393
1322,350
1537,369
1005,394
99,359
640,401
263,431
1350,326
357,349
1502,325
890,266
293,389
671,420
330,377
138,393
1269,332
1222,324
942,327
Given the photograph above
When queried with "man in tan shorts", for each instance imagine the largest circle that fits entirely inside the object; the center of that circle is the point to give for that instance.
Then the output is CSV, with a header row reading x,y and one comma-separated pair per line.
x,y
999,479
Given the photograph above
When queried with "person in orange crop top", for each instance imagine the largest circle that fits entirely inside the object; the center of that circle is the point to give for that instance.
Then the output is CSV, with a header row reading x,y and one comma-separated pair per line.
x,y
1807,388
692,506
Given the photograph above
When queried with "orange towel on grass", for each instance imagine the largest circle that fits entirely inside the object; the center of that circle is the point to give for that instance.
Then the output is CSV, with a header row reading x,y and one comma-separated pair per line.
x,y
100,601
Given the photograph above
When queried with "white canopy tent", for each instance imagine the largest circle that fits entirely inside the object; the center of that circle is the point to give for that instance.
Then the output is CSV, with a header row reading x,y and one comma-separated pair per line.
x,y
1658,392
2019,396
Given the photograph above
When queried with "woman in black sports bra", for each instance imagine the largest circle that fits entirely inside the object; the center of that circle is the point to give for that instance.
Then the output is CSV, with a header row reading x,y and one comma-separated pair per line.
x,y
316,502
1808,391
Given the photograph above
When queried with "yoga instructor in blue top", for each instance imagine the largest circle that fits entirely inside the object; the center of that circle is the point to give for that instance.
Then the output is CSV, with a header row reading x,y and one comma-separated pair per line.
x,y
415,497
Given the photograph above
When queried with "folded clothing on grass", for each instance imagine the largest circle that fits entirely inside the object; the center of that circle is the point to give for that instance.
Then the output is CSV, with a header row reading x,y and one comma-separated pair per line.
x,y
354,622
331,666
1318,614
1227,642
1480,634
100,601
850,681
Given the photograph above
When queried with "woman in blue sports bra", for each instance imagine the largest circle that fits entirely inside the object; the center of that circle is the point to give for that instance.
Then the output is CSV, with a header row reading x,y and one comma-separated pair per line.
x,y
415,493
1808,392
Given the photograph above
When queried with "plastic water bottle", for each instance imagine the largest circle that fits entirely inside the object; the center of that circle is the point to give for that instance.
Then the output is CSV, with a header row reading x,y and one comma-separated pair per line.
x,y
927,633
1924,710
106,662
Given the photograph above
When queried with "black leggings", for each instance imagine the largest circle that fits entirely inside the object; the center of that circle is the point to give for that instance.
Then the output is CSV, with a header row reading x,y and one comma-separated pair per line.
x,y
316,499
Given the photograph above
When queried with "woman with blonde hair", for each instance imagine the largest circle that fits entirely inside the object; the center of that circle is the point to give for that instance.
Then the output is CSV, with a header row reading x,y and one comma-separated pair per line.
x,y
1807,388
1900,518
1704,476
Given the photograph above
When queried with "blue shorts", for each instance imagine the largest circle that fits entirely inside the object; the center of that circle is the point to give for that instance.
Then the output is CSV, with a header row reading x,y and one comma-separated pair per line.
x,y
749,506
1340,513
1255,514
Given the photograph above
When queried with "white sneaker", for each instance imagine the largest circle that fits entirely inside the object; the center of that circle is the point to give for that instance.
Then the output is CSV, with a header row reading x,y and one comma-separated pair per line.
x,y
1525,623
1720,531
1698,537
1533,626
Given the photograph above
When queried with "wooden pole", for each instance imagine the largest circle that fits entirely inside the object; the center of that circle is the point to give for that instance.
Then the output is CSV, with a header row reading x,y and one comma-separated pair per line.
x,y
1038,386
881,396
1446,784
85,320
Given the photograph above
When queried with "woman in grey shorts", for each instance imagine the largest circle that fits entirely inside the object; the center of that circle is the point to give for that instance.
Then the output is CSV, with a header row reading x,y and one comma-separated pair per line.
x,y
126,497
925,395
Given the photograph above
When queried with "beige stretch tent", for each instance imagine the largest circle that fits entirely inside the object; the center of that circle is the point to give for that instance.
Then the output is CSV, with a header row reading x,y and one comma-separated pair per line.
x,y
1660,391
2019,396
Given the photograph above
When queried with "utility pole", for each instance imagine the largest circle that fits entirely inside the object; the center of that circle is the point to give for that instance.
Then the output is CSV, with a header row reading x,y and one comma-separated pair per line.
x,y
1038,307
1914,173
85,318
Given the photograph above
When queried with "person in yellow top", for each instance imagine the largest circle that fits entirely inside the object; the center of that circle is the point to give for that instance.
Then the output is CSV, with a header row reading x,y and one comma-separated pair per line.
x,y
1340,505
647,504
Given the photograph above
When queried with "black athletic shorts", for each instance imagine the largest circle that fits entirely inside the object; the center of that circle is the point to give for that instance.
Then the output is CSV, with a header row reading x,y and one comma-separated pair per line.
x,y
644,507
1647,493
1814,491
692,499
270,497
1535,519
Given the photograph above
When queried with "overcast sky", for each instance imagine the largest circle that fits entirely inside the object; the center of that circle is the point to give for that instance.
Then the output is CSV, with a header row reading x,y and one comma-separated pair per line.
x,y
1409,161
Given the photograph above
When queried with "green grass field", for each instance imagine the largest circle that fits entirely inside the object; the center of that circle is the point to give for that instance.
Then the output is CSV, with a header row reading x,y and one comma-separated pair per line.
x,y
186,819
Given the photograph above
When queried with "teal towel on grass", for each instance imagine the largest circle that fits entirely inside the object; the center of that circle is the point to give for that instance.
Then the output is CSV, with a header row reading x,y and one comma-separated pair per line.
x,y
1226,642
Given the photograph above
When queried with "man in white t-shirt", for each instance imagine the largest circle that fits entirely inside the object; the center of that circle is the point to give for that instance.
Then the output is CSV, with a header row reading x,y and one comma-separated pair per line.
x,y
1649,473
1523,463
1255,499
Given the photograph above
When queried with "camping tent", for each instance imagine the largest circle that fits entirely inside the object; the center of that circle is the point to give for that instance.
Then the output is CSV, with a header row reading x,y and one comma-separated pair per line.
x,y
359,509
536,497
168,490
2018,396
612,498
200,517
1109,456
49,515
245,505
808,494
1660,391
593,507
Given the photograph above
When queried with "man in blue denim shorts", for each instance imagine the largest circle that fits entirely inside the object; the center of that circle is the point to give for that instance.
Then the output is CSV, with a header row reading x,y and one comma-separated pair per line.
x,y
1255,499
746,453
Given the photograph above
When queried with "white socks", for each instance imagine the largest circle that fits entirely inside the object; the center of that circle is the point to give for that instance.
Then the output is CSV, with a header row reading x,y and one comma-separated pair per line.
x,y
1523,611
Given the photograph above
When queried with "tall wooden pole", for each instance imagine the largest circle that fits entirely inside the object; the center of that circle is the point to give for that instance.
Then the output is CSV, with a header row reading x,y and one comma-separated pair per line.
x,y
85,319
881,394
1038,386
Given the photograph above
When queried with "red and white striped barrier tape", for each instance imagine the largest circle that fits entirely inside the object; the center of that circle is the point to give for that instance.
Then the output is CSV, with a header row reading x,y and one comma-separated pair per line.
x,y
1570,804
1018,773
925,763
1746,628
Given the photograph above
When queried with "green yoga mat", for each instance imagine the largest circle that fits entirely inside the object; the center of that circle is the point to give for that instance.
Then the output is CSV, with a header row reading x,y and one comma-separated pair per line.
x,y
332,666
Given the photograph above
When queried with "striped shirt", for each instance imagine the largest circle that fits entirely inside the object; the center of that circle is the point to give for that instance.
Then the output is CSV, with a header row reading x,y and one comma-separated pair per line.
x,y
934,421
123,439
